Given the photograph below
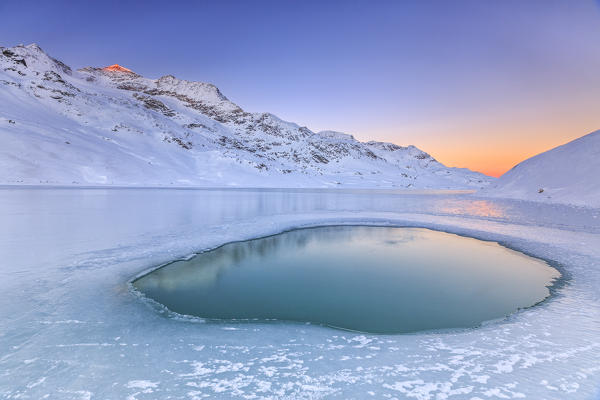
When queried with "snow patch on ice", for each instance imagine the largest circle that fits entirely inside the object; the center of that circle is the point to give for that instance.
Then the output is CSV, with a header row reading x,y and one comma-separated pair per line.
x,y
142,384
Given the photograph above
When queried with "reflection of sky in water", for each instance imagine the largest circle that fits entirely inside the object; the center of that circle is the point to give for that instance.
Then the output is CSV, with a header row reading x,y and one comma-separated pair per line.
x,y
135,214
478,208
364,278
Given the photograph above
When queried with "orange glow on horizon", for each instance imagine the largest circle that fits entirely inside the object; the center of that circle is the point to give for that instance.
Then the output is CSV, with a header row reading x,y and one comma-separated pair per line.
x,y
496,173
489,159
496,154
496,147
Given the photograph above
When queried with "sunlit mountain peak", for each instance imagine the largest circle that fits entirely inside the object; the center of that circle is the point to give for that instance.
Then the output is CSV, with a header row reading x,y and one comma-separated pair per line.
x,y
116,68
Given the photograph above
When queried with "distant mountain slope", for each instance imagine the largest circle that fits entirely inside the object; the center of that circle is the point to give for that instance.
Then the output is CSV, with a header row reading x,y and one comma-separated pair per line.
x,y
111,126
566,174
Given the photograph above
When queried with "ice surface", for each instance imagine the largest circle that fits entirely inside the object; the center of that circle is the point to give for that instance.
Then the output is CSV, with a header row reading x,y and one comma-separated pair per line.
x,y
70,328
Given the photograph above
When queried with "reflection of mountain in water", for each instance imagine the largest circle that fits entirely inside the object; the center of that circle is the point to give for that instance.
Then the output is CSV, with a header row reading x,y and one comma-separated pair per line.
x,y
204,269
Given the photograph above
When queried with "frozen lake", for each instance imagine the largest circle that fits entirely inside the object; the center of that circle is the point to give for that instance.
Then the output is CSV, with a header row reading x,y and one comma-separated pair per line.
x,y
358,278
71,328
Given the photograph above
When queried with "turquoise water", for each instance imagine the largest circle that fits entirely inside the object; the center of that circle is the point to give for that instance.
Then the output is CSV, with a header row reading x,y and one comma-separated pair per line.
x,y
368,279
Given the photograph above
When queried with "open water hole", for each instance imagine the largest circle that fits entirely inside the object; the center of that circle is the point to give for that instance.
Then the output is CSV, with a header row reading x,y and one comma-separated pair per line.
x,y
360,278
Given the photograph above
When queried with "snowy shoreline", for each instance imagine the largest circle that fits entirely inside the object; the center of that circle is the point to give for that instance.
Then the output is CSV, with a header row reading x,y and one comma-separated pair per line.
x,y
248,188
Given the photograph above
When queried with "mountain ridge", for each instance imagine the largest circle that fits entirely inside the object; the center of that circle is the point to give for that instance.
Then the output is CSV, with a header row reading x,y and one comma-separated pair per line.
x,y
99,126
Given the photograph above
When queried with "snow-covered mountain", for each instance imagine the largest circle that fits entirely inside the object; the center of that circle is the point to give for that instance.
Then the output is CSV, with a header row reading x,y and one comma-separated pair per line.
x,y
111,126
566,174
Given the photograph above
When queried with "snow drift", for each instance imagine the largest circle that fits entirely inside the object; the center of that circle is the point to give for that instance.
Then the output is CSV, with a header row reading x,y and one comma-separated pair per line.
x,y
566,174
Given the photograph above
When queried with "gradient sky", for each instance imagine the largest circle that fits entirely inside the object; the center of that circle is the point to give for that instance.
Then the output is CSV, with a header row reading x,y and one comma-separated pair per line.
x,y
477,84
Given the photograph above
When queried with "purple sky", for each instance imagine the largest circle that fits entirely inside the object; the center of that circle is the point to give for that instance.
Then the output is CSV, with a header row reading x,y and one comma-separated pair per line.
x,y
479,84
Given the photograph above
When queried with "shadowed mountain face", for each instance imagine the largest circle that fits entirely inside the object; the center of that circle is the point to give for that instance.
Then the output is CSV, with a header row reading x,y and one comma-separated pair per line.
x,y
112,126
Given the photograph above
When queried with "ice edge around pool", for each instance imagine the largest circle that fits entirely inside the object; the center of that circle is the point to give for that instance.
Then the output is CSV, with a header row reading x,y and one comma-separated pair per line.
x,y
558,279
